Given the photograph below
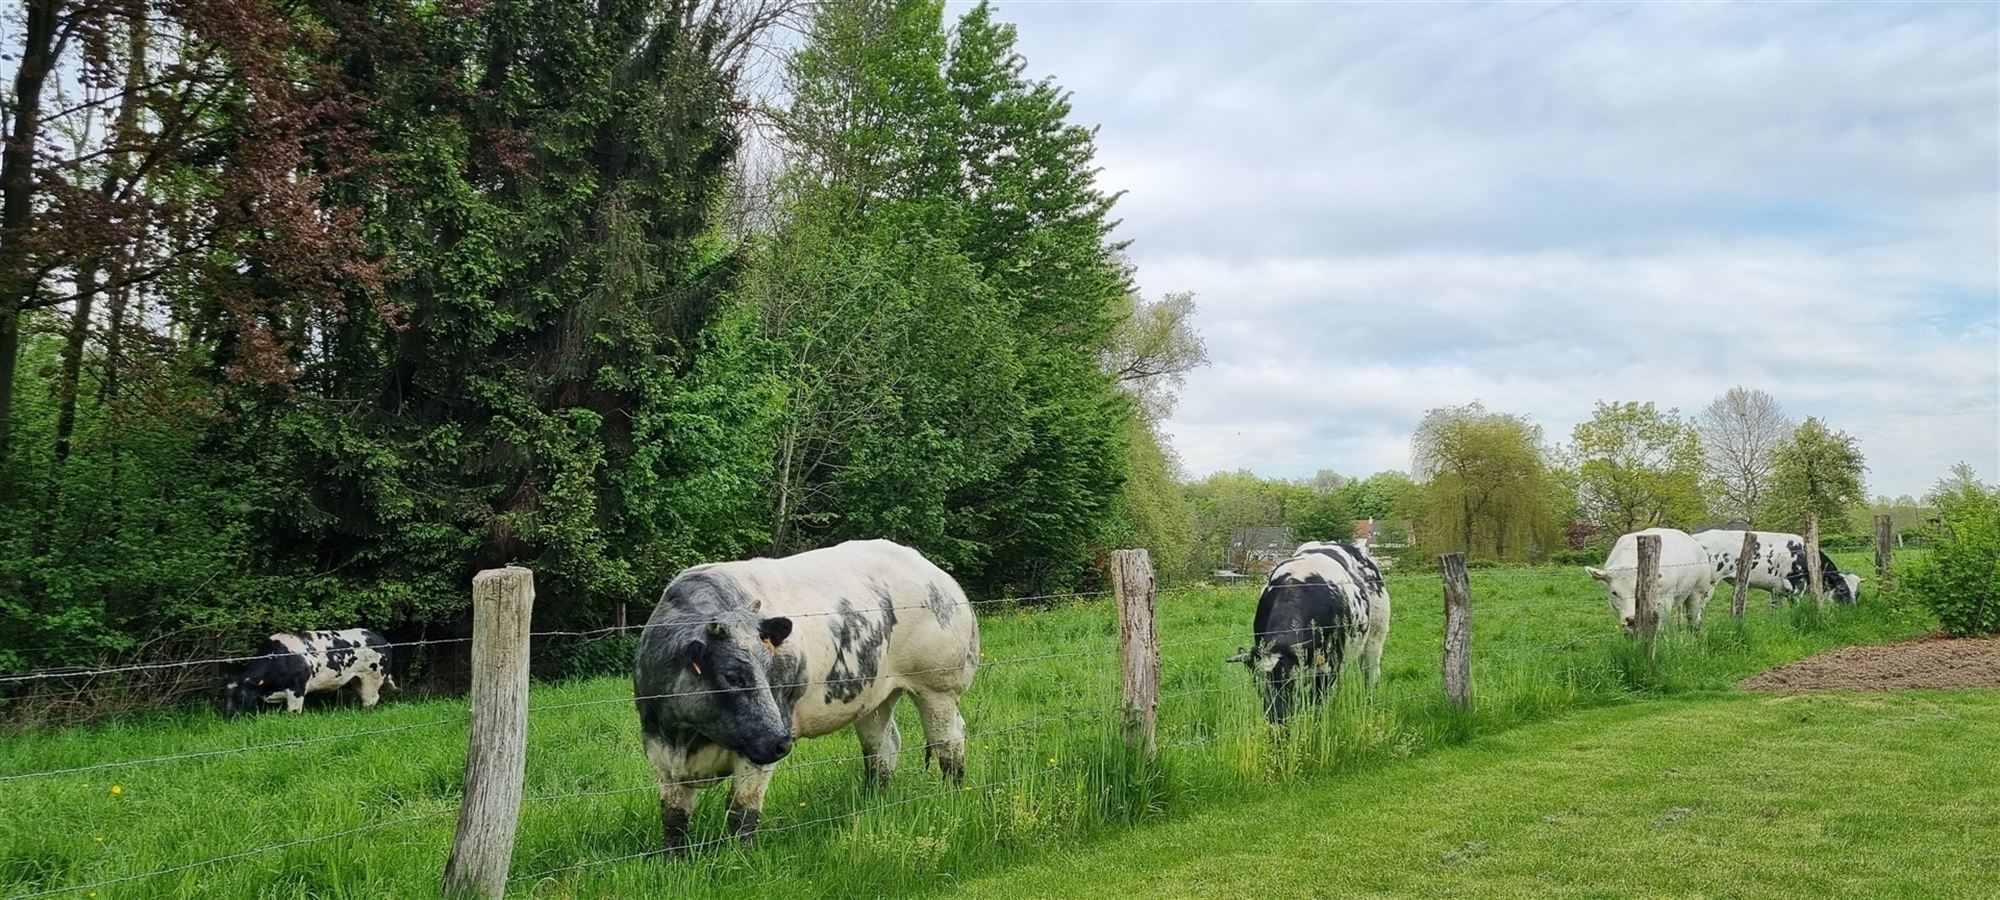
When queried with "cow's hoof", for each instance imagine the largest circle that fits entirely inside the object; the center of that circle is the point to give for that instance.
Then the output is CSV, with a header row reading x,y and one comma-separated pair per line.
x,y
743,824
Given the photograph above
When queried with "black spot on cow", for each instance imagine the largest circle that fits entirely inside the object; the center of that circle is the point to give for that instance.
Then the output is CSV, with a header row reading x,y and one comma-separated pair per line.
x,y
858,638
788,682
940,606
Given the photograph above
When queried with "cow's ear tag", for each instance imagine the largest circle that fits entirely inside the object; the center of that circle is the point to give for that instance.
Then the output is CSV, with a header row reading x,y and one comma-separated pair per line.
x,y
768,645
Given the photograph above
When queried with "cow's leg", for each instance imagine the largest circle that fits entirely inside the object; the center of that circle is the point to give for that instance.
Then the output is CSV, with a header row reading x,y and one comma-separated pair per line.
x,y
295,701
676,797
746,800
944,733
880,742
1371,654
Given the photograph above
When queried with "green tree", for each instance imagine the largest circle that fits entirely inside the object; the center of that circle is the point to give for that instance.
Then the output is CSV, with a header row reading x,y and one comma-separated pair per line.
x,y
1637,467
944,293
1486,484
1379,496
1819,472
1959,576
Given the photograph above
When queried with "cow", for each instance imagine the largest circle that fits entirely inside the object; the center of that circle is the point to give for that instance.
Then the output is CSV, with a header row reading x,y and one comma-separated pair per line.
x,y
1777,564
740,659
1686,579
290,666
1321,606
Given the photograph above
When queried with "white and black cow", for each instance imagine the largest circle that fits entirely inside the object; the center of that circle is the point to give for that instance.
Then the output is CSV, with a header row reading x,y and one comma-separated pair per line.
x,y
739,659
1686,581
1777,564
290,666
1319,608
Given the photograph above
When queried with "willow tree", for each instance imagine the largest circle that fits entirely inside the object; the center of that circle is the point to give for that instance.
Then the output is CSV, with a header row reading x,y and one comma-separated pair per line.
x,y
1486,484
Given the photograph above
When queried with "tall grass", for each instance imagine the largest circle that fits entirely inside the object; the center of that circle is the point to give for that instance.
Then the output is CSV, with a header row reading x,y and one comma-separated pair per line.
x,y
1047,767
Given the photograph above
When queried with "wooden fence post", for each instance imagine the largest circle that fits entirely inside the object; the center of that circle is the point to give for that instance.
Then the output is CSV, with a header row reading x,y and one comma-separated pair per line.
x,y
1646,590
618,618
1742,592
1884,550
1138,646
1813,573
496,753
1457,631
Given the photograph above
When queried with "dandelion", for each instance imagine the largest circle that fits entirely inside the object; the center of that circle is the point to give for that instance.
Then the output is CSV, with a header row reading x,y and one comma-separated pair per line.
x,y
802,804
1052,760
117,789
100,838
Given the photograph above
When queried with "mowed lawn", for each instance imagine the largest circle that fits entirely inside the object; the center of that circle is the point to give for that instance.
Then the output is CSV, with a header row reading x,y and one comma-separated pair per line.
x,y
342,802
1831,795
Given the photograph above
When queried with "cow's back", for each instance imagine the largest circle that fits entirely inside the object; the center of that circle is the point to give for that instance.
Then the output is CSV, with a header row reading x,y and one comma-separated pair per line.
x,y
868,618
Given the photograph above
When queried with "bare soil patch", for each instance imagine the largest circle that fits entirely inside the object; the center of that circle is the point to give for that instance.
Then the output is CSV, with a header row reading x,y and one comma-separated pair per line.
x,y
1929,662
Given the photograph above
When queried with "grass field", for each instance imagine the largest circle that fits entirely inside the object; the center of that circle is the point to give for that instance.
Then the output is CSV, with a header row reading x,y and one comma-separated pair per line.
x,y
1838,795
372,814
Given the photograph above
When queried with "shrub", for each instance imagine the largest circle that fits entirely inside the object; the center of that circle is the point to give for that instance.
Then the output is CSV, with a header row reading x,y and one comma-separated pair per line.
x,y
1960,576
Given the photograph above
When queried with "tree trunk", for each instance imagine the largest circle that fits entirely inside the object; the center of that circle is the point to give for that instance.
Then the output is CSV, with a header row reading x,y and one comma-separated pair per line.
x,y
66,389
17,195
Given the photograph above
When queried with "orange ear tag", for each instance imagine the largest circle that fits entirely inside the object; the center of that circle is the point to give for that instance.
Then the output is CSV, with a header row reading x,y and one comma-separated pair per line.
x,y
770,646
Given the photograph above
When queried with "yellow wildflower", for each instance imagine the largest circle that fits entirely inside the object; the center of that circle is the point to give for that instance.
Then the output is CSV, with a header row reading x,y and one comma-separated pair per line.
x,y
117,789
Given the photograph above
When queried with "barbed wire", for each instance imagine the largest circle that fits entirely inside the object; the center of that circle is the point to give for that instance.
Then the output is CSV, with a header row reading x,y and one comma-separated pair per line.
x,y
76,672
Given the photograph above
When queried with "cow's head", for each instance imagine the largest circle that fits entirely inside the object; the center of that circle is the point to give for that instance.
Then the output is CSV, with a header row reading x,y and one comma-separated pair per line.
x,y
248,689
1275,667
1846,587
1621,585
724,680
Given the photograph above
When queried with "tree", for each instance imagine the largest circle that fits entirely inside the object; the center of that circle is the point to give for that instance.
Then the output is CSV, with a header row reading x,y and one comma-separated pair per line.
x,y
1379,496
1485,484
1959,576
1741,432
1637,467
1819,472
1153,349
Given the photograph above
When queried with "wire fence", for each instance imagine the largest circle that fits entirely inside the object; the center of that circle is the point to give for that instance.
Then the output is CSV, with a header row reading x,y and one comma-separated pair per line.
x,y
1197,681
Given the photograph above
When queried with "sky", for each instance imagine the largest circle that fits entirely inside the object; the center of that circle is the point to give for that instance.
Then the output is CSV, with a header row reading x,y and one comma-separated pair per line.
x,y
1386,208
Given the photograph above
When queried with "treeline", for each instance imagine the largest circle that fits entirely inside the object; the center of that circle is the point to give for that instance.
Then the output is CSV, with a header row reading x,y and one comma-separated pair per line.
x,y
1494,486
310,310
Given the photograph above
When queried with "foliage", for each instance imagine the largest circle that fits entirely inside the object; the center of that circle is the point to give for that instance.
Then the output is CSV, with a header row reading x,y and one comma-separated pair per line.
x,y
1153,349
942,298
1959,576
1819,472
1152,511
1486,485
1637,467
1741,432
373,295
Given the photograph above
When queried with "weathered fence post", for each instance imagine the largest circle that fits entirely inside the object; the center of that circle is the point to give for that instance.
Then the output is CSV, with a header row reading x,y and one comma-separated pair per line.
x,y
496,753
618,618
1138,646
1884,550
1742,592
1457,631
1813,572
1646,590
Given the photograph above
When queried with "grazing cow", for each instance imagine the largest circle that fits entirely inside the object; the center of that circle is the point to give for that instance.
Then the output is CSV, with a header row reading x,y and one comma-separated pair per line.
x,y
1777,564
1318,608
741,658
290,666
1685,580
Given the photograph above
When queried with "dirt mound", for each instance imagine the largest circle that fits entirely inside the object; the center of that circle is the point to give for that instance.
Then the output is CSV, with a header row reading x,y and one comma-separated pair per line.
x,y
1929,662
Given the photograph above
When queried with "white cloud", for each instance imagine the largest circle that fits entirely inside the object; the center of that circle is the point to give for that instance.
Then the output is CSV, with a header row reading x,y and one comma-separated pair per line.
x,y
1387,208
